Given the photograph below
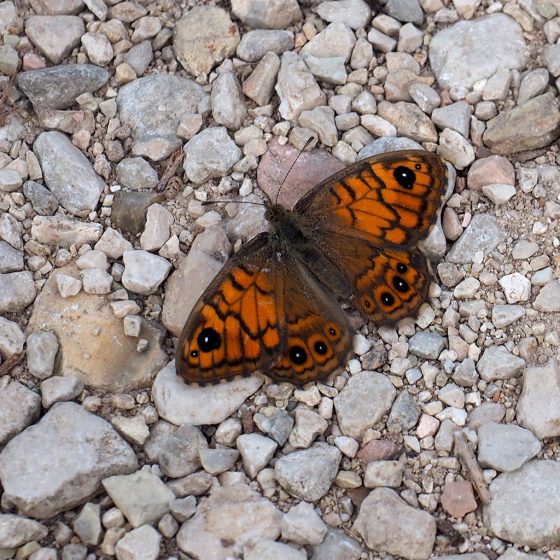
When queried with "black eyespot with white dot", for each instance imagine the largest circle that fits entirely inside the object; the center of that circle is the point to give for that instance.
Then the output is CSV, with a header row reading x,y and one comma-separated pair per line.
x,y
418,166
321,348
400,284
298,355
208,340
387,299
405,177
401,268
332,331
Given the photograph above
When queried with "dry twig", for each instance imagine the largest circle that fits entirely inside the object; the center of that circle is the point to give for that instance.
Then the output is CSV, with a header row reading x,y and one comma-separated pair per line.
x,y
471,466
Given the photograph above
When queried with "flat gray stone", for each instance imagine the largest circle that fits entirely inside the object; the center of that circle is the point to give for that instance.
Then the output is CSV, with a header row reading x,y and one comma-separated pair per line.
x,y
309,473
498,363
55,36
16,531
180,403
204,37
41,353
58,86
175,449
525,505
483,234
388,524
17,291
153,107
11,338
362,403
141,496
11,260
43,201
469,51
255,44
68,174
210,153
59,463
505,447
236,511
538,408
427,345
19,408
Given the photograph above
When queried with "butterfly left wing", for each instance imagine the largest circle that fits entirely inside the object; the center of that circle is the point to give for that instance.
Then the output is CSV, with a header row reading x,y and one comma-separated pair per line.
x,y
237,326
263,312
368,218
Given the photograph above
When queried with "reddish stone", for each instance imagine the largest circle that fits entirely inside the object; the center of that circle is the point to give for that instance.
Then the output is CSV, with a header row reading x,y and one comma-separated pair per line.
x,y
490,170
379,450
458,498
309,170
32,61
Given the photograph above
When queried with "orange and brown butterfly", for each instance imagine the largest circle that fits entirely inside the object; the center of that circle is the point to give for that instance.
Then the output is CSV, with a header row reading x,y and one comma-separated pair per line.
x,y
274,306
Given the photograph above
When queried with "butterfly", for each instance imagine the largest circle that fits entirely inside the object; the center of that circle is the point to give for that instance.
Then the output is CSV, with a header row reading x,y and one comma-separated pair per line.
x,y
274,306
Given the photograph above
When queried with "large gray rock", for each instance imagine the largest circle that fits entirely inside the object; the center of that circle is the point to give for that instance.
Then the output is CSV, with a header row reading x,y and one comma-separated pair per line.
x,y
505,447
59,463
226,521
57,87
469,51
508,132
525,505
153,107
68,174
388,524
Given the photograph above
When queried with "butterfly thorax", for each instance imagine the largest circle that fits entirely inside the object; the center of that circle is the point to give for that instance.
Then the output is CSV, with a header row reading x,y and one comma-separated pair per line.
x,y
287,227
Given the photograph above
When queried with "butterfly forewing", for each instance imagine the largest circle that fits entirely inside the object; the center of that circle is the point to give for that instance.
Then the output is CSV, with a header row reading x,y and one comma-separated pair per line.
x,y
392,197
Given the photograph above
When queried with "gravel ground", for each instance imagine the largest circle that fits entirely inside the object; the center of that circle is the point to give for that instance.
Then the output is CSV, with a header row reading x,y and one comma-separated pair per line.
x,y
438,437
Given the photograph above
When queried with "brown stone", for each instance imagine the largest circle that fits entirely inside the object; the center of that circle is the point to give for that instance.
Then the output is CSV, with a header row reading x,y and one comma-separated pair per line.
x,y
93,345
379,450
529,126
458,498
489,171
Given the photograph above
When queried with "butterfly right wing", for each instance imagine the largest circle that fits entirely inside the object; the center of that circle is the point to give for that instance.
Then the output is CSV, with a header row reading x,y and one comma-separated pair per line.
x,y
368,218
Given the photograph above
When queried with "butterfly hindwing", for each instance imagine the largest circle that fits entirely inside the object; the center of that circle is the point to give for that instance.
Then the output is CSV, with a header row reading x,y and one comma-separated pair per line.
x,y
317,333
263,312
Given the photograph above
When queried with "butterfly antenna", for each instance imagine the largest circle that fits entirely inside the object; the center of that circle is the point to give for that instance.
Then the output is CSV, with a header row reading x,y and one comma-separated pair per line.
x,y
209,202
309,140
